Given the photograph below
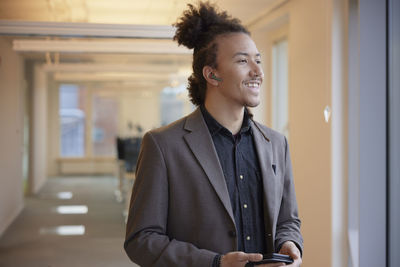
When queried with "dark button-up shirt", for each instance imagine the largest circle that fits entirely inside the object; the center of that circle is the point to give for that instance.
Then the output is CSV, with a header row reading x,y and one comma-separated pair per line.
x,y
238,158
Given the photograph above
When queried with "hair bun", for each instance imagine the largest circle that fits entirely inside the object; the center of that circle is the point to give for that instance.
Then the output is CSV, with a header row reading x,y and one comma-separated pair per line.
x,y
192,27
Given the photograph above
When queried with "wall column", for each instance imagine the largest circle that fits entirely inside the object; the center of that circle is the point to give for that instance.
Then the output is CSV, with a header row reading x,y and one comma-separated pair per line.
x,y
39,130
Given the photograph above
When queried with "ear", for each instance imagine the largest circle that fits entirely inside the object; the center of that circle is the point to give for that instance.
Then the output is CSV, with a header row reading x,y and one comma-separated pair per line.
x,y
207,72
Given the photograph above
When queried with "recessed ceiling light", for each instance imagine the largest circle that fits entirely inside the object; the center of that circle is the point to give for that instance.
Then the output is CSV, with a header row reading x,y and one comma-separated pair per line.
x,y
72,209
64,230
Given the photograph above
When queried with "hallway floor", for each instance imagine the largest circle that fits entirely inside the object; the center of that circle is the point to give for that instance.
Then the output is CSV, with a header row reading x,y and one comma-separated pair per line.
x,y
95,238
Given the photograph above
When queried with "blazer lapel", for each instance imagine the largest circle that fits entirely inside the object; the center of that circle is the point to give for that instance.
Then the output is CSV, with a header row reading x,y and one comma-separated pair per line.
x,y
200,142
265,157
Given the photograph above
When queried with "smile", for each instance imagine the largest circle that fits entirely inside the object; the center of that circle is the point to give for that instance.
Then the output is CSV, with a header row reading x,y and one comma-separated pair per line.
x,y
252,84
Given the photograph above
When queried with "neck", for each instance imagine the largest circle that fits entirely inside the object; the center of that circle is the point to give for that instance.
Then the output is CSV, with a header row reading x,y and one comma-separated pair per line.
x,y
228,116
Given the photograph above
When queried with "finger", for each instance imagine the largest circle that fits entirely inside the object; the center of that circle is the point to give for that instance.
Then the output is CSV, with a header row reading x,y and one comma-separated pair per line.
x,y
294,253
240,256
289,248
254,256
279,264
296,263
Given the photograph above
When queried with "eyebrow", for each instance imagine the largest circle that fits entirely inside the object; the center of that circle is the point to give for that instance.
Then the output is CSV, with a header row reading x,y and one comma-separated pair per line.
x,y
244,54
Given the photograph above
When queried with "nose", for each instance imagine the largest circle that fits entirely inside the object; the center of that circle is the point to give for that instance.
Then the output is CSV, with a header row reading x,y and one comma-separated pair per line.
x,y
256,71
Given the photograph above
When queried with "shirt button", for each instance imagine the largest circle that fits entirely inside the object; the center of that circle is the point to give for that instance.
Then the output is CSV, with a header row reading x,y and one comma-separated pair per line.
x,y
245,206
241,177
232,233
248,237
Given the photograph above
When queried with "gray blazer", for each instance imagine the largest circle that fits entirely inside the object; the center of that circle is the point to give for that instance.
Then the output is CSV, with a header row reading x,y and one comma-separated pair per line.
x,y
180,212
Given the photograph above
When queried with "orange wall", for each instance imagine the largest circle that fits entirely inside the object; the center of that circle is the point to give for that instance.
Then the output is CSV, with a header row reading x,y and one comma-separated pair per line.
x,y
308,27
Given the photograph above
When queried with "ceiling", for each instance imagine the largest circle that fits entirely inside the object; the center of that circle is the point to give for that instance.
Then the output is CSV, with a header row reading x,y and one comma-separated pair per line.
x,y
86,59
139,12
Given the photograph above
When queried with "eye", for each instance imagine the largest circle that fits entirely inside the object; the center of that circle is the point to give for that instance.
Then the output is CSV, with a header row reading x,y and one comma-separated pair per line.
x,y
258,61
242,60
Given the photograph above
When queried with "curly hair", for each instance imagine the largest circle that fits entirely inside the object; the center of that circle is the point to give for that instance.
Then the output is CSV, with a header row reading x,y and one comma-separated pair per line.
x,y
197,29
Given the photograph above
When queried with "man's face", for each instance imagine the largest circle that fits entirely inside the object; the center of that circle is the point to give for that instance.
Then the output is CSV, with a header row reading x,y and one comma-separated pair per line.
x,y
239,67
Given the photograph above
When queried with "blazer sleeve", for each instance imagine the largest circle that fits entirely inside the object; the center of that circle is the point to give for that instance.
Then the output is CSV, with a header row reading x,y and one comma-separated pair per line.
x,y
288,224
147,242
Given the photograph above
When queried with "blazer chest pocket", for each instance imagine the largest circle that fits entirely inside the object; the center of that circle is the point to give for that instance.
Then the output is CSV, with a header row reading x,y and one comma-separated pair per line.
x,y
274,168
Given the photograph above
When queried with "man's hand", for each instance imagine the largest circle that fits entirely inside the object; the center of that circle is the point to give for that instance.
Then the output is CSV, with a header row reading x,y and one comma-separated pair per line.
x,y
239,259
289,248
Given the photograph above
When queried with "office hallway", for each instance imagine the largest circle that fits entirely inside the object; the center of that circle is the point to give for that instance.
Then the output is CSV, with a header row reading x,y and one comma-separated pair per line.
x,y
96,238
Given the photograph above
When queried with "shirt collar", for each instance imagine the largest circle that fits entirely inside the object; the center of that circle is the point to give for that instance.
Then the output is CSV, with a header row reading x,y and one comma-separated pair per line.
x,y
214,126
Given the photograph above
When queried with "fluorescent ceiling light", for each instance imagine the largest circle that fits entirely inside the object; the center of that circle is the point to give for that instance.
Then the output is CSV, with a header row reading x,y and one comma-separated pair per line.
x,y
110,76
64,230
101,46
71,209
64,195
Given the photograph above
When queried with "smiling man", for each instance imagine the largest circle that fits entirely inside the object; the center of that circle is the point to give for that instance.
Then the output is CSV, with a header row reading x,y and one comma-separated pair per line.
x,y
214,188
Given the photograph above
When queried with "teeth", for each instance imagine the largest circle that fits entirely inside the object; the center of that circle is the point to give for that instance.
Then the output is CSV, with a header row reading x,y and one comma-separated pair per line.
x,y
252,84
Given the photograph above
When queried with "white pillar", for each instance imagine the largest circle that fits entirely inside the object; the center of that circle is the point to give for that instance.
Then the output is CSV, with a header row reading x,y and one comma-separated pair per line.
x,y
39,129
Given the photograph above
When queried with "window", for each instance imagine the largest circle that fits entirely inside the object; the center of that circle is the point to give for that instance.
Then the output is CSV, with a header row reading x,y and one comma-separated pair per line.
x,y
75,113
72,121
104,123
92,117
172,101
280,92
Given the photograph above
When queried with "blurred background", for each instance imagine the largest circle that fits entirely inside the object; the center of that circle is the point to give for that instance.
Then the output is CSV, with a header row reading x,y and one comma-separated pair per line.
x,y
82,80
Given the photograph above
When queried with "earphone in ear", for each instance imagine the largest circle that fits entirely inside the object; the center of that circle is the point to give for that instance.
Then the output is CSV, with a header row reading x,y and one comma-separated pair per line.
x,y
215,77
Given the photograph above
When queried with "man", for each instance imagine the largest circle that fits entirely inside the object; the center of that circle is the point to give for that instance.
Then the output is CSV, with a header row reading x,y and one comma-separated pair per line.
x,y
214,188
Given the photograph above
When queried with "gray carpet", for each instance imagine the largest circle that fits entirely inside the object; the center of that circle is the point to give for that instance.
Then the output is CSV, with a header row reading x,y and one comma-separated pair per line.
x,y
29,241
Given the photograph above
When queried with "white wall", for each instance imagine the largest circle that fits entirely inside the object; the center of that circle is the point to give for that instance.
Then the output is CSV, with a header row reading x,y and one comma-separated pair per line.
x,y
86,166
11,129
140,107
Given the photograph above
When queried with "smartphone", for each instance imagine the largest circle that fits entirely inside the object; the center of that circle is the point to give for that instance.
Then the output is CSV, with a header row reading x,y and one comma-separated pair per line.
x,y
271,258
